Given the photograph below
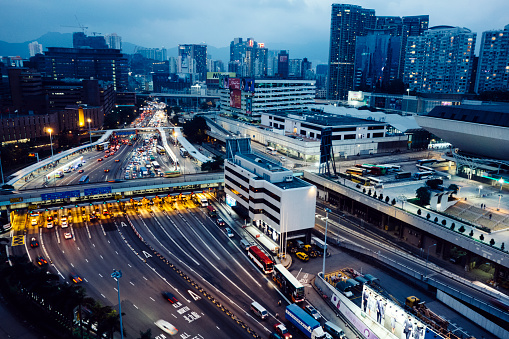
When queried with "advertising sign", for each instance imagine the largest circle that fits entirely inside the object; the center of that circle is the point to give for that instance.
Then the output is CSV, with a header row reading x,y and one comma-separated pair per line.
x,y
223,81
60,195
217,75
234,83
249,104
235,98
247,85
230,201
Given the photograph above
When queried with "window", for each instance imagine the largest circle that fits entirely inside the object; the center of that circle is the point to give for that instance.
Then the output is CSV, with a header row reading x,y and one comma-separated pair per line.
x,y
349,136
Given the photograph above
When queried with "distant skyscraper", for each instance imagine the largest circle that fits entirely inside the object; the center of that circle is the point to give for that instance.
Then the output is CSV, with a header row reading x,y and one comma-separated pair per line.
x,y
376,59
305,67
113,41
193,59
347,23
34,48
159,54
283,59
272,60
440,61
493,69
80,40
248,58
294,70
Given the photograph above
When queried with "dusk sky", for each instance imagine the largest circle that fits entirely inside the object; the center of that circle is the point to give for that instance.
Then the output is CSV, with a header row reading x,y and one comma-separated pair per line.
x,y
157,23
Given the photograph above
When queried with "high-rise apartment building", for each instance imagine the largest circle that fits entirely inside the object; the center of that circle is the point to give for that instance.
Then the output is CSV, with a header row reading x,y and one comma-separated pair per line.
x,y
113,41
294,70
34,48
192,59
493,68
305,68
248,58
80,40
159,54
440,61
347,23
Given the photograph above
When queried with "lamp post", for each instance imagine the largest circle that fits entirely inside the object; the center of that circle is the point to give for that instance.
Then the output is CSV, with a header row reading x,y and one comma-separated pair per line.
x,y
89,132
501,182
427,258
480,188
327,210
51,142
499,197
117,275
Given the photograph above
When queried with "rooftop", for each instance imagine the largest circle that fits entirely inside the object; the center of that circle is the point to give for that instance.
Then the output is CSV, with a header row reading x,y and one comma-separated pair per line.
x,y
326,119
295,183
265,163
495,115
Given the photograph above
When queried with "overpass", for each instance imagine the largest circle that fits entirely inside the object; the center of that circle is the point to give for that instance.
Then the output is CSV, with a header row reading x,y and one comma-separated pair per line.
x,y
216,130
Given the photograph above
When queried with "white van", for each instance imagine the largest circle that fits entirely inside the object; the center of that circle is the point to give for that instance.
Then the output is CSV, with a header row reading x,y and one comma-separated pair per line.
x,y
245,244
259,310
334,330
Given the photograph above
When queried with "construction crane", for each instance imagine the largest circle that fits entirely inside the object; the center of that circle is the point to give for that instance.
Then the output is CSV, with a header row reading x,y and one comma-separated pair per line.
x,y
80,26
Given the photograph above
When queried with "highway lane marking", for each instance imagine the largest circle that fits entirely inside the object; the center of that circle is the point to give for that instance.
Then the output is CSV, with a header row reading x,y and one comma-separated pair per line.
x,y
130,282
100,223
88,230
86,259
103,296
151,298
73,236
100,275
116,252
135,306
72,265
145,278
101,256
79,248
58,272
129,265
58,236
115,289
93,245
42,245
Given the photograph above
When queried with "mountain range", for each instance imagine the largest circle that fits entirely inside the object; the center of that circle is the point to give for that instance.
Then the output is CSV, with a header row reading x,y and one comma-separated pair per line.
x,y
316,51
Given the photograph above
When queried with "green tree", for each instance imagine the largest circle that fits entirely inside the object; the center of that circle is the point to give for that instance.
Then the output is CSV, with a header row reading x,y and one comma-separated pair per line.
x,y
423,194
419,212
444,222
492,242
471,234
393,202
481,237
212,165
502,247
175,119
453,187
146,335
195,130
434,183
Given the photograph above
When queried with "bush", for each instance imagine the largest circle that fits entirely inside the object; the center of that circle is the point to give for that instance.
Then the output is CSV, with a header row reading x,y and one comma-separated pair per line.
x,y
481,237
436,219
393,202
471,234
453,226
492,242
453,187
444,222
428,216
374,195
502,247
369,192
419,212
462,229
423,194
381,196
364,190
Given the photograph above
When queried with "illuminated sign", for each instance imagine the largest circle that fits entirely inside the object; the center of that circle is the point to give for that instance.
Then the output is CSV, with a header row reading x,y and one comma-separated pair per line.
x,y
230,201
81,117
216,75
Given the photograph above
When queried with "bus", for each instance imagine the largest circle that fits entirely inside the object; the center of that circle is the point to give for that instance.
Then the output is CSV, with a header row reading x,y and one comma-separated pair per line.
x,y
376,182
260,259
356,171
422,175
289,285
424,162
403,175
155,164
161,150
200,199
144,171
360,180
103,146
84,179
393,168
171,174
424,168
271,151
184,153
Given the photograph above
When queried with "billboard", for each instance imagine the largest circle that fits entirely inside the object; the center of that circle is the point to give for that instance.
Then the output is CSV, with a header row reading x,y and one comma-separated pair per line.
x,y
247,85
223,81
216,75
234,83
249,104
235,98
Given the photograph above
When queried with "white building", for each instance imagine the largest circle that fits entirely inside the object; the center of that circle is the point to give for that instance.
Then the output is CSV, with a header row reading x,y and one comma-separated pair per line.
x,y
270,95
113,41
276,201
34,48
440,61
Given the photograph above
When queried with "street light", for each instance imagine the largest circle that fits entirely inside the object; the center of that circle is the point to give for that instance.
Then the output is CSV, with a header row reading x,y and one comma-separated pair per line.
x,y
480,188
89,132
501,182
427,259
117,275
499,197
327,210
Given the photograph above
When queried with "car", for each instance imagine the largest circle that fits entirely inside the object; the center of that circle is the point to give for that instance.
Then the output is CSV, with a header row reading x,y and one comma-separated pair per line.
x,y
34,222
170,297
117,160
220,222
100,159
282,330
166,327
67,235
34,243
302,256
64,224
106,170
75,278
312,312
49,218
229,232
41,261
81,171
49,224
106,156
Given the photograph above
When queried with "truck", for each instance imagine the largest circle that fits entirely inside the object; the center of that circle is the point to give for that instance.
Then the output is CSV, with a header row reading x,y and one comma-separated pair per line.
x,y
305,323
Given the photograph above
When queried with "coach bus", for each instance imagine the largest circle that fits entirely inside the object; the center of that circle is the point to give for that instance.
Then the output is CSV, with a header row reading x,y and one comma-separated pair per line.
x,y
289,285
200,199
260,259
155,164
171,174
184,153
103,146
424,168
84,179
360,180
160,150
422,175
271,150
403,175
356,171
424,162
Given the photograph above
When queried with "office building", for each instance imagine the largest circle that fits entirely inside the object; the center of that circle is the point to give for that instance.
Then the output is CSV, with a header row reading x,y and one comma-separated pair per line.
x,y
347,23
80,40
113,41
493,64
192,59
376,60
305,69
276,202
248,58
294,69
158,54
83,63
34,48
272,61
283,60
440,61
265,95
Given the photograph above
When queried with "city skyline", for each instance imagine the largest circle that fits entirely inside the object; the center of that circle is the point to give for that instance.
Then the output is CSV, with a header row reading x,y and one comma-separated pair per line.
x,y
216,25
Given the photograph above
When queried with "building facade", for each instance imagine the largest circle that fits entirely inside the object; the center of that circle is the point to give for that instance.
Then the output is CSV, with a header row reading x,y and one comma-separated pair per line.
x,y
34,48
347,23
159,54
493,67
248,58
192,59
440,61
113,41
80,40
277,203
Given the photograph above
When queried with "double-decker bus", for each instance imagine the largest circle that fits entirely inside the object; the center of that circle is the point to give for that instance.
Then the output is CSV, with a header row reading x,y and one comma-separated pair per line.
x,y
356,171
360,180
289,285
155,164
84,179
212,211
160,150
59,174
184,153
103,146
422,175
260,259
144,171
403,175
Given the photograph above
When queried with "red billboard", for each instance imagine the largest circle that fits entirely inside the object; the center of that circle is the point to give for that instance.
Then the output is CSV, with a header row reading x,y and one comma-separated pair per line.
x,y
234,83
235,97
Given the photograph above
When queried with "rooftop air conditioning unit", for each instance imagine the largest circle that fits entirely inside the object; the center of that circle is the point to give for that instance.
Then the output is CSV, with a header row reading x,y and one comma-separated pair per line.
x,y
289,178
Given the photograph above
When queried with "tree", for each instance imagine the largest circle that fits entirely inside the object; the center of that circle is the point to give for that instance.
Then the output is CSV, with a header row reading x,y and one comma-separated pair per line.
x,y
374,195
453,187
423,194
436,219
146,335
393,202
481,237
419,212
175,119
212,165
369,192
453,226
195,130
444,222
492,242
434,183
471,234
461,229
381,196
364,190
502,247
428,216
